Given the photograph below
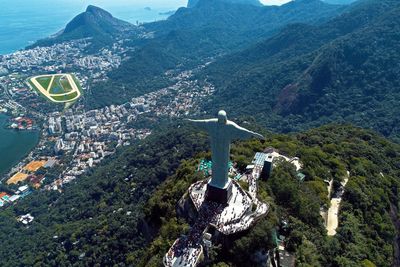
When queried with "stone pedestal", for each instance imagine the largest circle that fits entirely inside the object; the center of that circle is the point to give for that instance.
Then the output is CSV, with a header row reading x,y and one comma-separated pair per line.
x,y
231,206
219,195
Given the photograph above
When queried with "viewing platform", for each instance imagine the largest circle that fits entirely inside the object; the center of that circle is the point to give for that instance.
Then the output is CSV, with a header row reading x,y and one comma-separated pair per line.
x,y
239,214
234,217
182,253
220,202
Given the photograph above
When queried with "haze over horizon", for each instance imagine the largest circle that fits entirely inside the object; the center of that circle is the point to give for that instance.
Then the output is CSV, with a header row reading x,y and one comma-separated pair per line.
x,y
159,3
17,13
150,3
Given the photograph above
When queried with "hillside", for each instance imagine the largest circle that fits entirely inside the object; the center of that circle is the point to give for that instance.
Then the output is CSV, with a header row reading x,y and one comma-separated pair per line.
x,y
342,70
253,22
101,214
192,3
366,234
94,23
193,35
124,212
340,2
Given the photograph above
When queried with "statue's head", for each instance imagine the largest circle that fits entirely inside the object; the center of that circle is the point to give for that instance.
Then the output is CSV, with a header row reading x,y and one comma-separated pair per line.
x,y
222,117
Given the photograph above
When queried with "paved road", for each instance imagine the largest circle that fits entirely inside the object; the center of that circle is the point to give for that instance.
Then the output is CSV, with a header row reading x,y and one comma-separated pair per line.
x,y
333,212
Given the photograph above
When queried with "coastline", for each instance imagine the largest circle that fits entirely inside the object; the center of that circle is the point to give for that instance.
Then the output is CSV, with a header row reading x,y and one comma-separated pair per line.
x,y
39,29
20,137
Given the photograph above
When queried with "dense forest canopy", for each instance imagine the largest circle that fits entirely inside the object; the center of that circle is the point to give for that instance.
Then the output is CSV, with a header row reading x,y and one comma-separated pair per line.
x,y
366,234
125,211
98,218
344,70
194,35
289,69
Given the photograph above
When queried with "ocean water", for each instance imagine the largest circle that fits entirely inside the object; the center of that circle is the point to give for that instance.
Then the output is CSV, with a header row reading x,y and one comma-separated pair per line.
x,y
23,22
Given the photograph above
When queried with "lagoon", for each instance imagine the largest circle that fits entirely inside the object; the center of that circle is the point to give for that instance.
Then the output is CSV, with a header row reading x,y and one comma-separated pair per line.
x,y
14,145
23,22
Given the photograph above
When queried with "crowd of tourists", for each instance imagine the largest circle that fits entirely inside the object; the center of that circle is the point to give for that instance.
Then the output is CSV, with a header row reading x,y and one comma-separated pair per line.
x,y
197,193
186,250
228,219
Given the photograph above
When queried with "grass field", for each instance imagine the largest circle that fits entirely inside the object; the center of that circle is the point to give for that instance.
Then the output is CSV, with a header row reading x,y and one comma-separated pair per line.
x,y
45,81
60,85
58,88
65,84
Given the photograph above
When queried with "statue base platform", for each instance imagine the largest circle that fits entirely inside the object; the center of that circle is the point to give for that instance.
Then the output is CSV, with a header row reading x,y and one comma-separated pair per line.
x,y
238,214
219,195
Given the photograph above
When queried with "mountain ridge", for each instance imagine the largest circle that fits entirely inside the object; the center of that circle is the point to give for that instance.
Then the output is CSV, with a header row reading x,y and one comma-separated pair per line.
x,y
193,3
95,23
95,17
192,35
295,57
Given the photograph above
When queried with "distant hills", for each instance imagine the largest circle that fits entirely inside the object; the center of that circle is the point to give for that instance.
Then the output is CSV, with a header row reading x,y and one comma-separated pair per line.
x,y
95,23
255,21
342,70
193,3
340,2
191,35
298,65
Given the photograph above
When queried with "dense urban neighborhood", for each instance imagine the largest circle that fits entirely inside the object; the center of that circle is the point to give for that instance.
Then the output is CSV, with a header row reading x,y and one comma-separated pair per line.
x,y
228,133
74,139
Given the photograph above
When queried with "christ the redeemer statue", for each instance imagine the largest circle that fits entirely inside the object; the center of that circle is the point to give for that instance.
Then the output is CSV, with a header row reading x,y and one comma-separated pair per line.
x,y
222,133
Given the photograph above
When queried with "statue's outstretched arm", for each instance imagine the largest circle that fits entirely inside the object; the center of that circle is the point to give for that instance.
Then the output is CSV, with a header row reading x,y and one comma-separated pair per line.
x,y
204,124
242,133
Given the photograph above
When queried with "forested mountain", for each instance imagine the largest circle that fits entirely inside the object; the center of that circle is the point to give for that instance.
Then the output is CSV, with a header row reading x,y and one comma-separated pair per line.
x,y
94,23
288,68
343,70
249,21
340,2
124,213
192,3
367,233
191,35
98,219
